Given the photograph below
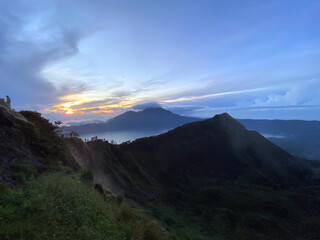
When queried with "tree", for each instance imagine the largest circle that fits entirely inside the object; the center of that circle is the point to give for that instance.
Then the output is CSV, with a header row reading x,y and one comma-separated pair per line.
x,y
94,138
56,125
74,134
8,101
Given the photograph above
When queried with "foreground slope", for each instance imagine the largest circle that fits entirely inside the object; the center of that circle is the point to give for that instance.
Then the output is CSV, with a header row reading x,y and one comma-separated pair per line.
x,y
29,146
44,195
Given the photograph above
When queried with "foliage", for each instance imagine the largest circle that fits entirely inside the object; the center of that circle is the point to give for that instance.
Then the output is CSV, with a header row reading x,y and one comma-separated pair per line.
x,y
57,206
87,175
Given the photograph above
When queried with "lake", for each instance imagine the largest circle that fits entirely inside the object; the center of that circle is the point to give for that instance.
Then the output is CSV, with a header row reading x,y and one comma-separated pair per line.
x,y
123,136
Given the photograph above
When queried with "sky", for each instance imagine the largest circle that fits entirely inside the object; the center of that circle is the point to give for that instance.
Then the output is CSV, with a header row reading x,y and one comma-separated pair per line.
x,y
84,60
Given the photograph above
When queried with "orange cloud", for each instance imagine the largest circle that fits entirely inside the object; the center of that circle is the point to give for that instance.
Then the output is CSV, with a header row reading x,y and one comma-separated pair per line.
x,y
102,111
66,107
69,112
72,104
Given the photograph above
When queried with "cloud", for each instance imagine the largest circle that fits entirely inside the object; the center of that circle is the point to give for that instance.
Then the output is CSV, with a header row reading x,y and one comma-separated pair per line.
x,y
34,34
302,93
146,105
190,98
81,122
103,56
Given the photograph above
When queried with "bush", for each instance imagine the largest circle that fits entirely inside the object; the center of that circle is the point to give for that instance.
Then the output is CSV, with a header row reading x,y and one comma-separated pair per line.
x,y
86,175
152,232
24,171
126,213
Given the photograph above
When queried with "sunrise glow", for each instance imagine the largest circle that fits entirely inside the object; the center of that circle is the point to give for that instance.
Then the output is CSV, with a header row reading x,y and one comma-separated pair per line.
x,y
69,112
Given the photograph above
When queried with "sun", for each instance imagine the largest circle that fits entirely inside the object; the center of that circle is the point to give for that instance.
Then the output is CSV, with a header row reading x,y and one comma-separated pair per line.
x,y
69,112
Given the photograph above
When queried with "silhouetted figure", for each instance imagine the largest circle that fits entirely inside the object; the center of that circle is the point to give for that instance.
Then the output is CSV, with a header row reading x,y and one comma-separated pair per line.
x,y
8,100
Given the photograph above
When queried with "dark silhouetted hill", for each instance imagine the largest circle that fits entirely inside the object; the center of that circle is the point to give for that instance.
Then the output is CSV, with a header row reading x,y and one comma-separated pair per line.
x,y
212,179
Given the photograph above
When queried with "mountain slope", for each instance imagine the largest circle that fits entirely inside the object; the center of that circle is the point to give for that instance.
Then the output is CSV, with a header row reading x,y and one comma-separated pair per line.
x,y
214,179
44,195
29,146
218,147
148,119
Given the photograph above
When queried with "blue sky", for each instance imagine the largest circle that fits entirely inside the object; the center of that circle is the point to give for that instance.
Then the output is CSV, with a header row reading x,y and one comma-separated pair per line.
x,y
83,60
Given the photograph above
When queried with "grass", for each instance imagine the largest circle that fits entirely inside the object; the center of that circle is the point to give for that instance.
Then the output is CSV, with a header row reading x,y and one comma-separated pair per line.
x,y
59,206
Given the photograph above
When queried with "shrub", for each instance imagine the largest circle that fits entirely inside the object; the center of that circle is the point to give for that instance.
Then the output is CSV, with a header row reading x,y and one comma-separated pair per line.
x,y
152,232
87,175
23,171
126,213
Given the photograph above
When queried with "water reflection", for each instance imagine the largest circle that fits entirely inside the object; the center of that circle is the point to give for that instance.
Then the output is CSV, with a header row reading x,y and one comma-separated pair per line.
x,y
123,136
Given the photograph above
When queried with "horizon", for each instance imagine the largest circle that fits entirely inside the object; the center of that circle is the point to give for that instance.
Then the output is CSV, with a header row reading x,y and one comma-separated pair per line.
x,y
97,121
251,59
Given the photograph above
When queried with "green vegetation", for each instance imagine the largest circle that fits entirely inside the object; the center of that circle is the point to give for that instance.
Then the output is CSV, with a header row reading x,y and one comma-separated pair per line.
x,y
59,206
30,146
44,195
241,210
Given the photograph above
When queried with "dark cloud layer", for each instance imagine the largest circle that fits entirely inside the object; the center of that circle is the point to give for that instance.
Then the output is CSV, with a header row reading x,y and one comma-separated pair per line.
x,y
146,105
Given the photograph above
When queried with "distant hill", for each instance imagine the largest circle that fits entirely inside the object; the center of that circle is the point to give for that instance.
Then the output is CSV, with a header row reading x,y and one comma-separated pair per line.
x,y
301,138
148,119
289,128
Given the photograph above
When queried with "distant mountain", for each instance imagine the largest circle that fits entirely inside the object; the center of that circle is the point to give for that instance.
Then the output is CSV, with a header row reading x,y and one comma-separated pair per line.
x,y
301,138
211,179
148,119
289,128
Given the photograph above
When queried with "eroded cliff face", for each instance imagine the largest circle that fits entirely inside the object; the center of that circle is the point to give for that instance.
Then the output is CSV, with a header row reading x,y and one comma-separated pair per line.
x,y
90,158
114,171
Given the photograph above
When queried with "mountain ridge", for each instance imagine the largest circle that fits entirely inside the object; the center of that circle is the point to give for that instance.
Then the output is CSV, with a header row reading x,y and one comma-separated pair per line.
x,y
298,137
221,139
214,177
